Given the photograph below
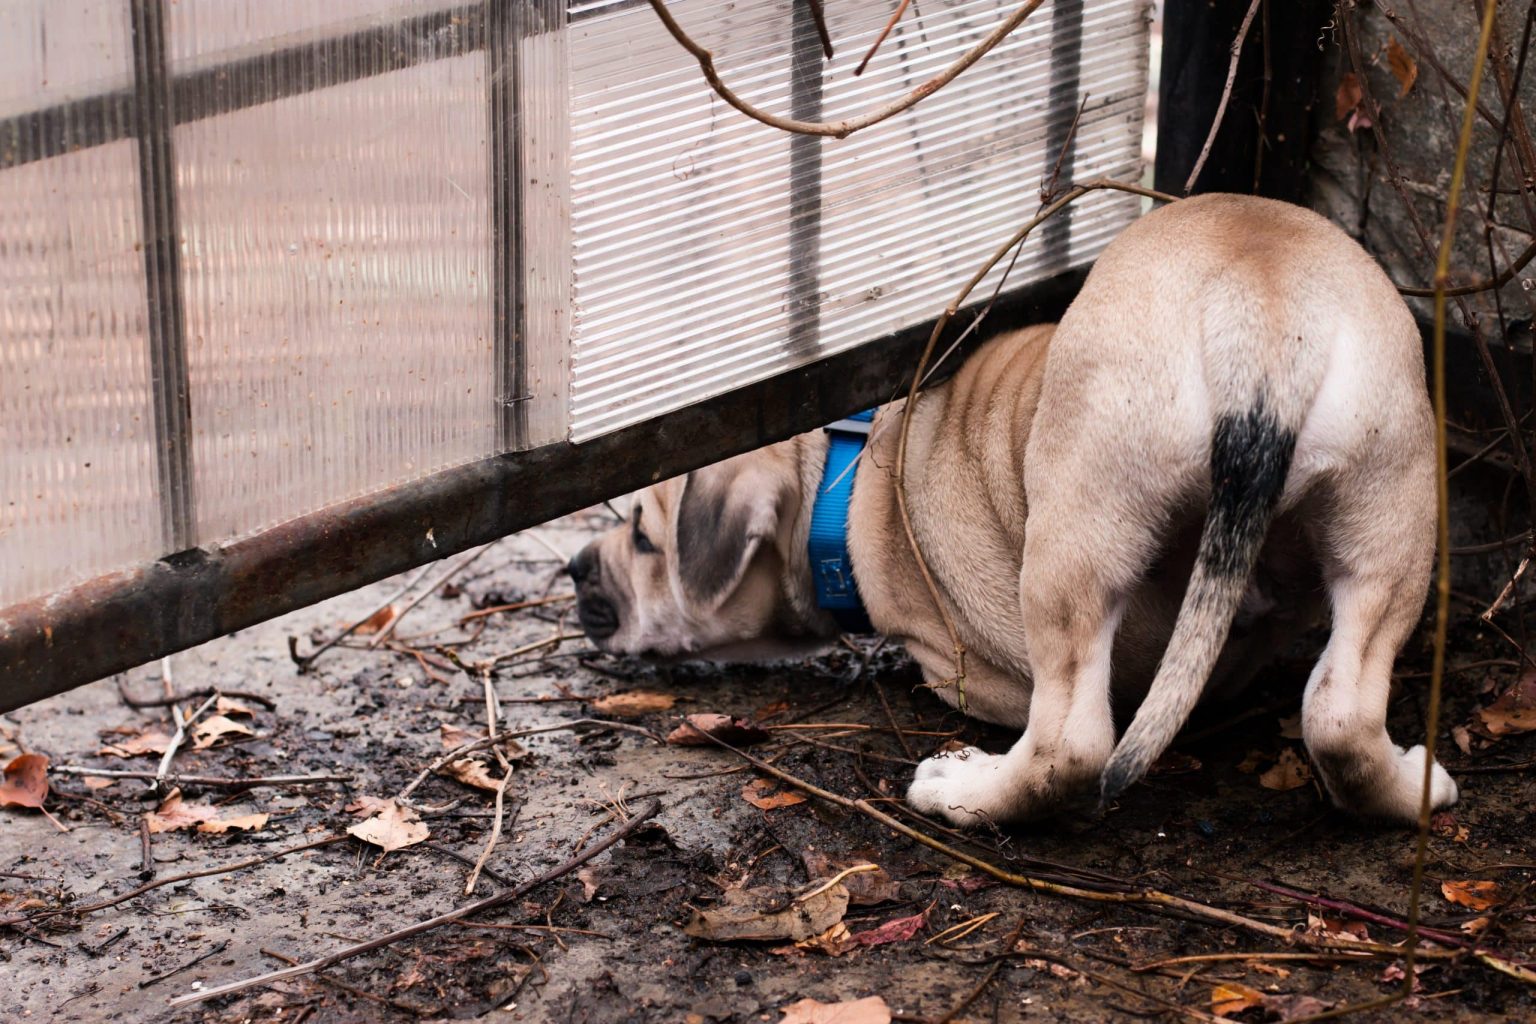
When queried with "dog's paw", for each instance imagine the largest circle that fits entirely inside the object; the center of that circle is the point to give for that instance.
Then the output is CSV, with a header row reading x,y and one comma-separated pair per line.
x,y
962,787
1442,788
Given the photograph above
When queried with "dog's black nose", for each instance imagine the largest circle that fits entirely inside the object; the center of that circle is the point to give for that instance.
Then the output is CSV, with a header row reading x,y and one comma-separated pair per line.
x,y
583,566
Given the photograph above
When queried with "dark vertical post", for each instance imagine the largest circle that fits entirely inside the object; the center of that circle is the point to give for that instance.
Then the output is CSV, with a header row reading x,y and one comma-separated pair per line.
x,y
171,397
1261,147
507,318
804,185
1061,107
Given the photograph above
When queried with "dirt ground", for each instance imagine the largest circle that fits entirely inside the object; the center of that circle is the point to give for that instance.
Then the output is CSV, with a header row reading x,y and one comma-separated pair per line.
x,y
1224,821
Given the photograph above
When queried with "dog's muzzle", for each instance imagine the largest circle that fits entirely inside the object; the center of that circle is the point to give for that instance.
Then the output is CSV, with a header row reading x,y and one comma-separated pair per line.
x,y
598,616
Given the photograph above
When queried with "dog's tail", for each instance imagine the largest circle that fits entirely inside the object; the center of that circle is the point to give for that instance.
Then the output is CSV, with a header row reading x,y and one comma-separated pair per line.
x,y
1250,457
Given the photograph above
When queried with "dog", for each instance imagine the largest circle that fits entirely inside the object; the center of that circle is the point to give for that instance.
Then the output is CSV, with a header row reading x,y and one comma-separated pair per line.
x,y
1227,435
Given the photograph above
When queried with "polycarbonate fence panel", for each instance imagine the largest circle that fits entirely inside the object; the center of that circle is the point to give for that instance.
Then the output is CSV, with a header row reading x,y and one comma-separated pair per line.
x,y
710,250
337,256
77,470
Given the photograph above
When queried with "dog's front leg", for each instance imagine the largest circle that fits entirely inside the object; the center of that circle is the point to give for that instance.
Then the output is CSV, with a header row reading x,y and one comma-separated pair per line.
x,y
1067,742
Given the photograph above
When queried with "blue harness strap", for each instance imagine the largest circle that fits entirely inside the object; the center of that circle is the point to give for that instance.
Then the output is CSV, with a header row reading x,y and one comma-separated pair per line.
x,y
831,566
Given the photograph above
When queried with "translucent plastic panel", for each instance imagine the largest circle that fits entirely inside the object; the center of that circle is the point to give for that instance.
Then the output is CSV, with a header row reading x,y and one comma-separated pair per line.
x,y
61,49
337,263
710,250
206,27
77,466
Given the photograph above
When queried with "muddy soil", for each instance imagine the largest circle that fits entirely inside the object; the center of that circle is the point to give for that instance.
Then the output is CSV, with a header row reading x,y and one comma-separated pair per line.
x,y
1229,813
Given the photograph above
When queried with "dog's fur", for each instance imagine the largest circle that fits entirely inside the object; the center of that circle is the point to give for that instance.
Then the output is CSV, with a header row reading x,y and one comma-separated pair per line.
x,y
1129,510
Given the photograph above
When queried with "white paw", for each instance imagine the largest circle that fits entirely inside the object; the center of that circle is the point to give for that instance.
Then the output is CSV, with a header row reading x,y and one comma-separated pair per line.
x,y
1442,788
962,787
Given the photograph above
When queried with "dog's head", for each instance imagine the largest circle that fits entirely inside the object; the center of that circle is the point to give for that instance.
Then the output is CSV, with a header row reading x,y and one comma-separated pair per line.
x,y
698,568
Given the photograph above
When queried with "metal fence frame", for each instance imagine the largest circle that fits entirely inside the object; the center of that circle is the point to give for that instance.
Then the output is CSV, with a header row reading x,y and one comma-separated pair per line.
x,y
113,622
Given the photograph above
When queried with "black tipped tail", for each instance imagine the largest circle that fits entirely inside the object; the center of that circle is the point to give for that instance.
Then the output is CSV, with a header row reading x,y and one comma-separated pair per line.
x,y
1250,457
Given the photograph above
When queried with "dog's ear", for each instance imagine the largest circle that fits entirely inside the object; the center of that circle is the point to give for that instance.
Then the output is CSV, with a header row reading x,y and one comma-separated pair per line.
x,y
724,515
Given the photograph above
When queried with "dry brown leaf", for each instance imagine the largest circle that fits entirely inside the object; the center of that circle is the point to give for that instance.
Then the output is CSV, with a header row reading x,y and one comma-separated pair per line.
x,y
869,1010
454,737
1472,895
1291,771
1463,737
835,941
214,728
1514,711
1327,927
229,706
1404,68
1348,96
243,823
26,781
472,772
738,732
633,703
1230,997
96,782
757,794
763,915
377,621
393,827
899,929
150,741
1476,926
865,888
366,805
1293,1007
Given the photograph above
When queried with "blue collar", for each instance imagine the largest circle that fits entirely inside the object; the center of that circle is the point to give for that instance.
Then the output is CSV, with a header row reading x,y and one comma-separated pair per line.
x,y
831,567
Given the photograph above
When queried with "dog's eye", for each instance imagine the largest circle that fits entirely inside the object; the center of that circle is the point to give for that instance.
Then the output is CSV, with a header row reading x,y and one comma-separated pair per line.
x,y
643,543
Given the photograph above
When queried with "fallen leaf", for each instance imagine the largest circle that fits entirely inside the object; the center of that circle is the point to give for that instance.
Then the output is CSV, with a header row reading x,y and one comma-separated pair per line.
x,y
1327,927
366,805
377,621
95,782
1404,68
472,772
865,888
1230,997
1348,96
1476,926
757,794
1293,1007
26,781
1446,826
213,728
243,823
392,827
869,1010
175,814
454,737
633,703
1513,711
229,706
1472,895
898,929
1463,737
835,941
1174,763
738,732
151,741
761,915
1291,771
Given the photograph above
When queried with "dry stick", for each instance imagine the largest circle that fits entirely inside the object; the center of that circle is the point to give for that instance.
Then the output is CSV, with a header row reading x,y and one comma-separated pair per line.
x,y
1153,898
491,741
820,17
458,567
972,996
1226,96
1072,194
304,661
197,694
874,47
1492,283
146,855
157,783
91,908
846,127
499,899
492,716
515,606
177,779
1442,493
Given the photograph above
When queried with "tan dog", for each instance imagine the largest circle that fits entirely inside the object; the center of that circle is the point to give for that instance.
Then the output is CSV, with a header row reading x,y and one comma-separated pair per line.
x,y
1229,424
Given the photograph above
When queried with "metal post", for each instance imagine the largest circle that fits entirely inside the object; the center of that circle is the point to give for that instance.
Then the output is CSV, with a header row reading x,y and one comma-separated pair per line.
x,y
1062,100
805,93
508,313
153,122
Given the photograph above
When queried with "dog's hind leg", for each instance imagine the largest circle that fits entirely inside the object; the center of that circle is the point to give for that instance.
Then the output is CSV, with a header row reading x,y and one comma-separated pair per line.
x,y
1376,543
1078,569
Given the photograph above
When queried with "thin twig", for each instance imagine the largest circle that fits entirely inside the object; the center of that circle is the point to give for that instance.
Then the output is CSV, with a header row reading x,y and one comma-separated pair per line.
x,y
438,584
1226,96
499,899
306,661
874,47
217,782
846,127
180,736
515,606
1442,494
820,17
